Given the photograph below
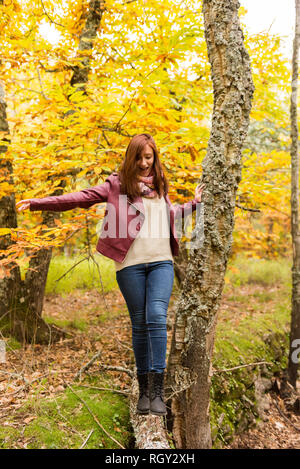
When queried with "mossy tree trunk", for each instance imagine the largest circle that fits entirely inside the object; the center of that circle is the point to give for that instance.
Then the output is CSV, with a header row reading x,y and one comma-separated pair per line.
x,y
293,364
189,367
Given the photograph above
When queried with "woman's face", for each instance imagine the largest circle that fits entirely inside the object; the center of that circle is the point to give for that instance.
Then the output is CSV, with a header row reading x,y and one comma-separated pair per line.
x,y
145,161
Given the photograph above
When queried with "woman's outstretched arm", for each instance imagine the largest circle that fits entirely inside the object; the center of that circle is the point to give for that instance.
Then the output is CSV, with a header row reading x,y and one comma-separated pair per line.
x,y
83,199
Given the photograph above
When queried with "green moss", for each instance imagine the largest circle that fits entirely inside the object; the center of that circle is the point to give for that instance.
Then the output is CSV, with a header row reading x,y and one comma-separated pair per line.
x,y
76,323
65,422
12,344
262,336
8,435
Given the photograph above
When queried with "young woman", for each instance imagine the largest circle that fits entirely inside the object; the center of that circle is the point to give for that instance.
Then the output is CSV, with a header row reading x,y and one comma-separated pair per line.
x,y
138,233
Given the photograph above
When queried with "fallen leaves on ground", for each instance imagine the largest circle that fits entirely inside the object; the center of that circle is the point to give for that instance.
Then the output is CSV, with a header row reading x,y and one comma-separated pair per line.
x,y
275,432
43,371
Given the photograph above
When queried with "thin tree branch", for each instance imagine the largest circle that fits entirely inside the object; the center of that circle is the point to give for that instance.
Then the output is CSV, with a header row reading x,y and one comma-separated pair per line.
x,y
241,366
95,418
41,85
118,368
71,268
285,418
87,365
87,439
118,391
52,21
248,209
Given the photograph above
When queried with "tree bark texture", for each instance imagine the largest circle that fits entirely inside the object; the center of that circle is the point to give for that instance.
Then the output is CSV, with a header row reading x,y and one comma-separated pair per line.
x,y
189,366
180,264
86,42
293,364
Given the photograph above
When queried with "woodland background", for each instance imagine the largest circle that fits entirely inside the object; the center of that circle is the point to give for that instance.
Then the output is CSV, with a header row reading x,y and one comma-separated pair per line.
x,y
148,71
142,78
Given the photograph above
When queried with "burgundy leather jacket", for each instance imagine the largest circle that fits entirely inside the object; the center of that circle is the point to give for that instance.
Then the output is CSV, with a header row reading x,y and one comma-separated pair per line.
x,y
120,215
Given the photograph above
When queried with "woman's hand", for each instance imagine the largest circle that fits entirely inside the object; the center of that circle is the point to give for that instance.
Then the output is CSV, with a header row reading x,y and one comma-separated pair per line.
x,y
23,204
198,192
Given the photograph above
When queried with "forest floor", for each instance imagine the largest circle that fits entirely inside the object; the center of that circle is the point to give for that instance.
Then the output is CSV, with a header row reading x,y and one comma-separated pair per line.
x,y
279,430
35,375
100,323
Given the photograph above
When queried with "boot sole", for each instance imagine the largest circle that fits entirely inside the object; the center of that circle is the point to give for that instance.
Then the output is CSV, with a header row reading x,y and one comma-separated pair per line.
x,y
158,413
142,412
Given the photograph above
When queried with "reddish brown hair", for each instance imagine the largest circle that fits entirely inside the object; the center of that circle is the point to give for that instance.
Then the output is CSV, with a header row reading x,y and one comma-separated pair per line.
x,y
129,170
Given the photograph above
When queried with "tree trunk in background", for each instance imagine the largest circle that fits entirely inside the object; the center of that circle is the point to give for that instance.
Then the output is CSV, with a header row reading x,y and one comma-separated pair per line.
x,y
21,301
20,319
33,292
36,275
87,38
189,367
10,279
8,218
295,318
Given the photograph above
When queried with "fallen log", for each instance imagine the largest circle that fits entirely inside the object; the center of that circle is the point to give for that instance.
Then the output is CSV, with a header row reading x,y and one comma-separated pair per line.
x,y
149,430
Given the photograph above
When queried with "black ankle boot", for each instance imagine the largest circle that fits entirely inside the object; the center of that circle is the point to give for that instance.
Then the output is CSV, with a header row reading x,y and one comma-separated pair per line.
x,y
157,405
143,404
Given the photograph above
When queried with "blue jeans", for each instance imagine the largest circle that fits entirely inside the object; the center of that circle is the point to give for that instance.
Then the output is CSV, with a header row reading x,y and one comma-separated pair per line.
x,y
147,289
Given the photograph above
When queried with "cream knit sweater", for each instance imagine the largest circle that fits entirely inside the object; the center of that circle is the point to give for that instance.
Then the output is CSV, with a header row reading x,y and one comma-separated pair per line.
x,y
153,240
